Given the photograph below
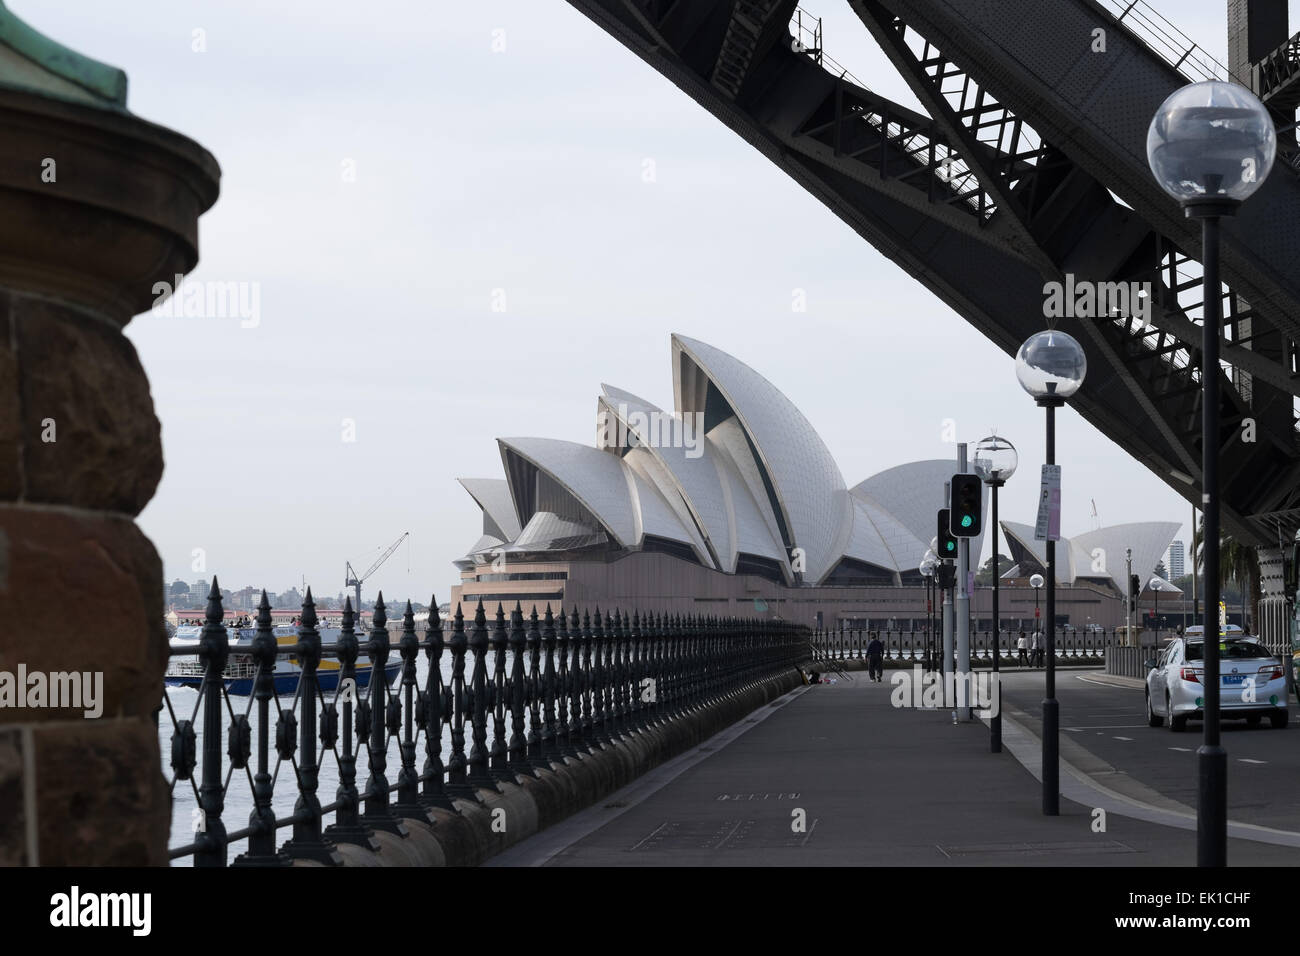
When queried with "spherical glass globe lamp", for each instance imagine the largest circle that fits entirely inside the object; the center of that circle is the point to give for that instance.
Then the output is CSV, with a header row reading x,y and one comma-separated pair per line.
x,y
1051,366
995,460
1211,141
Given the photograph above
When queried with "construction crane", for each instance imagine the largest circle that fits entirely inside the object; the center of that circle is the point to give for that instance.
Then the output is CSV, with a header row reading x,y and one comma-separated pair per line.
x,y
354,580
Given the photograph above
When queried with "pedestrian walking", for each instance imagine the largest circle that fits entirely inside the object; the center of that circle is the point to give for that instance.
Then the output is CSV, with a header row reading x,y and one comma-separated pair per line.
x,y
1022,649
1036,650
875,659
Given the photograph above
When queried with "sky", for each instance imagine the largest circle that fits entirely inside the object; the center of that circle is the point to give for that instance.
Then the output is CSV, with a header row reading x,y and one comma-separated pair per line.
x,y
394,172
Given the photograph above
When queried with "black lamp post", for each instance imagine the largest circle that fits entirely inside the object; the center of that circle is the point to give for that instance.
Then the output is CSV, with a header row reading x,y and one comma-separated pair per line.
x,y
1210,145
1051,367
1036,582
1154,585
995,462
929,564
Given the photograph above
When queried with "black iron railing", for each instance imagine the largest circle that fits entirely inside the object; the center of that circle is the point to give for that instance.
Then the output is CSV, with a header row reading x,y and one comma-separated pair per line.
x,y
1166,40
906,647
539,690
1087,647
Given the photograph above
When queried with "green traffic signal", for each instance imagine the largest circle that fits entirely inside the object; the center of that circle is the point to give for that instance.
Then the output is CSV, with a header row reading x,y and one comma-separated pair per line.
x,y
965,505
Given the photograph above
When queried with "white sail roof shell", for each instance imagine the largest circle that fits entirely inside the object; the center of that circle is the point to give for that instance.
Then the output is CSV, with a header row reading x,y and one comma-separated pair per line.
x,y
806,483
1102,553
599,481
867,543
911,495
700,499
1149,541
623,501
493,496
655,516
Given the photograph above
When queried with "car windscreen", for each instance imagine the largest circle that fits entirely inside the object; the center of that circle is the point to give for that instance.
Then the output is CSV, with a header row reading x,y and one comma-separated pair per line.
x,y
1228,650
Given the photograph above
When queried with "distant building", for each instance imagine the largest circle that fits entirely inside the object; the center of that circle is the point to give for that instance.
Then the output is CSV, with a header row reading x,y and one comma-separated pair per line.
x,y
199,593
246,599
1175,563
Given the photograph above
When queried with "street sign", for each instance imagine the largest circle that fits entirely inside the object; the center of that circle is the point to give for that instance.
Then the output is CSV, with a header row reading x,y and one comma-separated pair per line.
x,y
1048,525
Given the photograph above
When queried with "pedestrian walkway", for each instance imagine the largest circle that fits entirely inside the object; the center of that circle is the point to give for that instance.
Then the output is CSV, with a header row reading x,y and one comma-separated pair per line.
x,y
835,775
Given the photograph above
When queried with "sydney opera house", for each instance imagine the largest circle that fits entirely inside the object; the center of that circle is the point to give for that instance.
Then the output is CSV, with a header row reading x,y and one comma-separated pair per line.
x,y
731,504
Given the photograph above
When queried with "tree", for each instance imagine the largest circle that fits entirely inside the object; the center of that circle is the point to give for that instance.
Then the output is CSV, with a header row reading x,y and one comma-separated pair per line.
x,y
985,574
1238,563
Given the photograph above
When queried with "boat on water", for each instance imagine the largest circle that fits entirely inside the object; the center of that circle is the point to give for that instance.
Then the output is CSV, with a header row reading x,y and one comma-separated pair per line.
x,y
241,667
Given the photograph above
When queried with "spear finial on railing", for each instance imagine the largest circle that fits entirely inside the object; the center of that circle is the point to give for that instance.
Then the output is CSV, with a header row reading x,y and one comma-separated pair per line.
x,y
308,841
549,750
214,647
379,815
523,688
408,803
434,790
261,841
458,763
347,826
478,751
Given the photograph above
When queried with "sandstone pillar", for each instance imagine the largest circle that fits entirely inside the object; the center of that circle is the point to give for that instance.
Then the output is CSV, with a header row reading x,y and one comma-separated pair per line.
x,y
96,206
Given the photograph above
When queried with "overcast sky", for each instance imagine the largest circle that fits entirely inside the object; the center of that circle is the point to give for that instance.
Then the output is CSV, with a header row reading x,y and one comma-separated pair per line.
x,y
519,170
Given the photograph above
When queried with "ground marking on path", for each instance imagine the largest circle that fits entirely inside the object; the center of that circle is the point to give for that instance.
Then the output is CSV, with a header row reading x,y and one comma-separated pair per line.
x,y
1117,737
1185,750
808,836
1107,726
1101,683
1248,760
653,833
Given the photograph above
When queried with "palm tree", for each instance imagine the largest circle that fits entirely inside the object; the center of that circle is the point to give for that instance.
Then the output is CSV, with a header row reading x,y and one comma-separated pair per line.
x,y
1238,563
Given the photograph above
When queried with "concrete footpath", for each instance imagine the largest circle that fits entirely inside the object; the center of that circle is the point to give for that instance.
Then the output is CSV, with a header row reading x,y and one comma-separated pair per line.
x,y
835,775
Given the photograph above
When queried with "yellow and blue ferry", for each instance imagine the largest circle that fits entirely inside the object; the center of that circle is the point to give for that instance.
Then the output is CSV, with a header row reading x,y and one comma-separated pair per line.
x,y
241,668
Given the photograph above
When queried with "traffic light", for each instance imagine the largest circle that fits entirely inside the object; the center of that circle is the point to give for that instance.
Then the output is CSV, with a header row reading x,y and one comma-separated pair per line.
x,y
1134,587
964,507
947,543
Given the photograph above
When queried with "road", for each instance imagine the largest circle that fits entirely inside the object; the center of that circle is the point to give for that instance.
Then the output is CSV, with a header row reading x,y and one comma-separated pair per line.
x,y
1110,723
